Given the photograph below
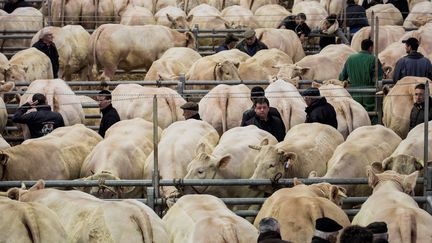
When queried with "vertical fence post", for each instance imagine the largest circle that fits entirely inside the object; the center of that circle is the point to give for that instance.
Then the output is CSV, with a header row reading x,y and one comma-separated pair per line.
x,y
426,170
49,12
195,31
181,85
378,100
155,177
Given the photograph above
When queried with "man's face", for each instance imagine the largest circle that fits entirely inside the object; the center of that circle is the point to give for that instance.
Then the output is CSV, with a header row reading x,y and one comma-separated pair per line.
x,y
103,102
419,96
48,38
308,100
261,110
250,40
407,48
232,44
188,114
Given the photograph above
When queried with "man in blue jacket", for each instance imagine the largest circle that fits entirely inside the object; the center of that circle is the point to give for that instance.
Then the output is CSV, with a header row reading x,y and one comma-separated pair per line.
x,y
413,64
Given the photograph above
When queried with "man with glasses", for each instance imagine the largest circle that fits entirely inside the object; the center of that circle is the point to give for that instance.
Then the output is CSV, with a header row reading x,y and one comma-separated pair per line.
x,y
250,44
417,112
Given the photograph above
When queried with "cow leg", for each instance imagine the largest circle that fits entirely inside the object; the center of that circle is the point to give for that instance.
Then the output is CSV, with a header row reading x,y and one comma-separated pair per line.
x,y
108,73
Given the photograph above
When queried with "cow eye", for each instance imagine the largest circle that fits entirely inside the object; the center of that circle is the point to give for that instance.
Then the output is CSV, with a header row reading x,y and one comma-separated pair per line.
x,y
200,171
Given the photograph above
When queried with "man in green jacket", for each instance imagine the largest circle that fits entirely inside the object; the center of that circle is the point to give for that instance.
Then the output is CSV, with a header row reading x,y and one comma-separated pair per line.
x,y
359,69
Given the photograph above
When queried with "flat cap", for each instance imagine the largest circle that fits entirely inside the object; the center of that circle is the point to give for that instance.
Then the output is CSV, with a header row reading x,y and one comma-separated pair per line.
x,y
411,42
249,33
377,227
311,92
327,225
190,106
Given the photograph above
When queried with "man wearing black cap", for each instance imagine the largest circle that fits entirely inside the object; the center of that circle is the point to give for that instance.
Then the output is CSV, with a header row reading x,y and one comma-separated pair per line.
x,y
326,231
257,92
40,122
379,231
190,111
109,113
269,230
318,109
250,44
230,43
413,64
266,122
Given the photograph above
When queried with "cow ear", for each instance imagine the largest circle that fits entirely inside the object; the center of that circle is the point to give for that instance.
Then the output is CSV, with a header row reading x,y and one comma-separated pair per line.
x,y
377,166
6,87
14,194
223,162
410,182
170,19
418,164
387,163
264,142
3,158
296,182
40,184
336,192
372,177
316,84
189,18
200,149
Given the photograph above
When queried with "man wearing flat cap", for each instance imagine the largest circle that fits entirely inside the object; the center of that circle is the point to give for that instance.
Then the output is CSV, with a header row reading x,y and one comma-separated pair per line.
x,y
379,231
413,64
326,231
230,43
250,44
190,111
318,109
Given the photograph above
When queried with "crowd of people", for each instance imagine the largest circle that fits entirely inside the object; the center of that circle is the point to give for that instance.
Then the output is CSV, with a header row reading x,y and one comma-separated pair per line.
x,y
327,231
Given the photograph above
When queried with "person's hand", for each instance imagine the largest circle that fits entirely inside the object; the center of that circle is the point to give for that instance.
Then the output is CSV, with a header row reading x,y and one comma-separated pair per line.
x,y
33,103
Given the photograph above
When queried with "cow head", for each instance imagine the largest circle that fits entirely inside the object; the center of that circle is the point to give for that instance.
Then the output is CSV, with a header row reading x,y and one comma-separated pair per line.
x,y
406,183
179,22
290,71
343,84
7,87
421,20
17,193
226,70
332,192
16,73
402,164
271,162
103,191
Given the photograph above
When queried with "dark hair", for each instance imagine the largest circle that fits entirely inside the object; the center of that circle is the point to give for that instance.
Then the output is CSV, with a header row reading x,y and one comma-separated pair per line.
x,y
40,98
380,241
331,19
261,100
301,16
106,94
420,86
350,2
257,91
366,44
230,38
356,234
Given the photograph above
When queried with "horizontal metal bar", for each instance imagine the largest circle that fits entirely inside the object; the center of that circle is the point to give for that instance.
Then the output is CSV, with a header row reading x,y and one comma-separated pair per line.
x,y
15,106
8,37
14,128
254,213
77,183
110,83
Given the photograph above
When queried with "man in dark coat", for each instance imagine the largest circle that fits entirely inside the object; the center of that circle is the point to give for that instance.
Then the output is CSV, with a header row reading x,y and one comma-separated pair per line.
x,y
190,111
230,43
250,44
265,121
109,113
40,122
326,230
257,92
356,234
11,5
355,16
369,3
318,110
417,112
269,231
413,64
47,46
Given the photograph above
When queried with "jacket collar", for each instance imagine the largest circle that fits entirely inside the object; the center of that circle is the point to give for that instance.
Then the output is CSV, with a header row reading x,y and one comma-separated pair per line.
x,y
43,108
106,109
269,235
316,103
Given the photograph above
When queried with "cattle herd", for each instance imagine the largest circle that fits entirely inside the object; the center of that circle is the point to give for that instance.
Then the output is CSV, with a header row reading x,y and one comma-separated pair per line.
x,y
216,147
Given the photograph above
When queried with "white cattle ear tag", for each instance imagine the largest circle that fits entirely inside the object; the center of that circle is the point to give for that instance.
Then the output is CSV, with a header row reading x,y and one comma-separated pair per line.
x,y
286,165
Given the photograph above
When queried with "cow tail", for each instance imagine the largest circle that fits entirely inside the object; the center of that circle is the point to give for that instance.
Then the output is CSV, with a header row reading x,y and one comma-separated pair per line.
x,y
62,12
251,4
31,224
407,226
224,102
93,64
230,233
170,99
143,222
348,114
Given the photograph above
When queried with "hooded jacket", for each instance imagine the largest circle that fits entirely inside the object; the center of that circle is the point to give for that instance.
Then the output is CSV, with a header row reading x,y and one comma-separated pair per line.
x,y
322,112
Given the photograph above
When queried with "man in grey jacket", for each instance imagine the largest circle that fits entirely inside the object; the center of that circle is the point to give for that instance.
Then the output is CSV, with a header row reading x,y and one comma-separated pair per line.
x,y
413,64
